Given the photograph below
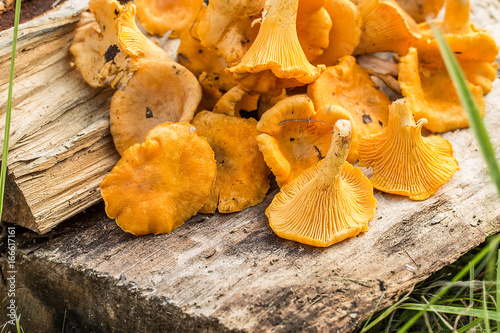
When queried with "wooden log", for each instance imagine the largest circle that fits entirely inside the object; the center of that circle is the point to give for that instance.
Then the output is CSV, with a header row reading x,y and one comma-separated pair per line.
x,y
60,146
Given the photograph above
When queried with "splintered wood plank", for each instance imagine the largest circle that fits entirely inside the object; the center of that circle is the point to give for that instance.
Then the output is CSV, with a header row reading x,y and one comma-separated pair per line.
x,y
60,145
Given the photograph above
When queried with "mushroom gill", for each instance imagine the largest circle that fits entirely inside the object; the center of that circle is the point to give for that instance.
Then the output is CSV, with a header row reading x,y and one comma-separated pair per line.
x,y
403,161
327,203
276,60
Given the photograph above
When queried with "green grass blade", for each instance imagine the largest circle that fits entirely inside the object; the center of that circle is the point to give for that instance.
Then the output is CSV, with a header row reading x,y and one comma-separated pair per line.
x,y
457,310
421,308
485,311
470,325
470,106
497,289
3,171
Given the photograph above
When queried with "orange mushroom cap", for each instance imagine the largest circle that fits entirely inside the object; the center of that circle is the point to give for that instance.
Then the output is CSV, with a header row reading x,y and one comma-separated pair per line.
x,y
403,161
386,27
276,60
349,86
345,33
158,92
159,184
419,10
313,27
295,136
227,27
430,91
235,100
95,46
160,16
328,202
242,175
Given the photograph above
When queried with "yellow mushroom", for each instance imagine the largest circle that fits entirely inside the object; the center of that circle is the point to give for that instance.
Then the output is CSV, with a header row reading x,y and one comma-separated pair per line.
x,y
313,27
295,136
403,161
475,48
161,90
276,60
430,91
386,27
242,175
345,33
95,46
157,185
349,86
235,100
160,16
419,10
327,203
227,27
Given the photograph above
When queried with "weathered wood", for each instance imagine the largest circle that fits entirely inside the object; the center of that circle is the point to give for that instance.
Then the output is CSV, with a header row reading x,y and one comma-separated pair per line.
x,y
60,147
221,273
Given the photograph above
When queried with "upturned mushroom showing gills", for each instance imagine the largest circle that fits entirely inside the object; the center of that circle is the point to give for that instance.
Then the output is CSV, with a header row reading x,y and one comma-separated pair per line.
x,y
294,136
242,175
276,60
386,27
475,48
160,16
349,86
345,33
227,27
432,95
403,161
157,185
95,46
327,203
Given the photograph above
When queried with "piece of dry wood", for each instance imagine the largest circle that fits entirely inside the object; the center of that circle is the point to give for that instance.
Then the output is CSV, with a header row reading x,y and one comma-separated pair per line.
x,y
60,147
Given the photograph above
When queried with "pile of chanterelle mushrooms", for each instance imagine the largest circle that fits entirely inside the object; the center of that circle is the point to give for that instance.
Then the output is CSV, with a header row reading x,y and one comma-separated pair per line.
x,y
317,111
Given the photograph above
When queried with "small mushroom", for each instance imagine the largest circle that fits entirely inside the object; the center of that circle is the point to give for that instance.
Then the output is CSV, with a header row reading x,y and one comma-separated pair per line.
x,y
419,10
276,60
403,161
157,185
349,86
235,100
386,27
242,175
160,16
327,203
313,27
345,33
95,46
227,27
295,136
432,95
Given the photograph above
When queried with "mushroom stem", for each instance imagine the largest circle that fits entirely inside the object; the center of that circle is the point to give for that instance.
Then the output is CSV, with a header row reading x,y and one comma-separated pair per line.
x,y
278,43
401,115
456,17
337,153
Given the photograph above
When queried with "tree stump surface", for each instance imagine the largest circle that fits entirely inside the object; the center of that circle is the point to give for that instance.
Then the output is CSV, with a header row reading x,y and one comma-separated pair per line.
x,y
225,273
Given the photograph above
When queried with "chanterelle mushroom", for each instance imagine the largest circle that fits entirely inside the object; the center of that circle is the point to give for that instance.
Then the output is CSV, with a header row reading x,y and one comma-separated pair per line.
x,y
276,60
386,27
432,95
345,33
349,86
475,48
328,202
403,161
159,184
242,175
160,16
160,90
313,27
295,136
95,46
420,9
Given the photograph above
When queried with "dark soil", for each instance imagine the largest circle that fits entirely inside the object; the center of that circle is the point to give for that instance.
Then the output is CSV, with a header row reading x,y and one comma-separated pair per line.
x,y
29,10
